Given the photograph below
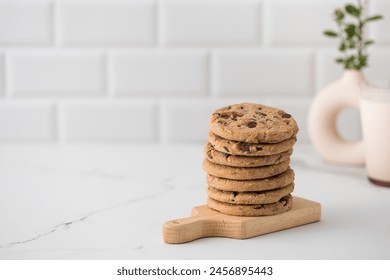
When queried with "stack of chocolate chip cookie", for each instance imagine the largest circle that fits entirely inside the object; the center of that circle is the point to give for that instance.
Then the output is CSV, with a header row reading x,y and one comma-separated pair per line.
x,y
248,160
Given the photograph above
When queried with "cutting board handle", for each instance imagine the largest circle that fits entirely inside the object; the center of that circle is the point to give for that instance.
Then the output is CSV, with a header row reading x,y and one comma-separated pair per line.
x,y
188,229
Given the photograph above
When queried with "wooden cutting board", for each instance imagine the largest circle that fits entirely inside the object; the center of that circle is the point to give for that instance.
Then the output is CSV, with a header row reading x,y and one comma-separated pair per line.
x,y
205,222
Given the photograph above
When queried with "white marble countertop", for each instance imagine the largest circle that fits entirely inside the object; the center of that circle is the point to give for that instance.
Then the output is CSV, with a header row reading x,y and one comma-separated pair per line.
x,y
110,202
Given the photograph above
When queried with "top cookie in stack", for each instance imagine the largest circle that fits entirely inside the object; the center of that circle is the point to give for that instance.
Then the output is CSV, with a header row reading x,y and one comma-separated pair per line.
x,y
247,160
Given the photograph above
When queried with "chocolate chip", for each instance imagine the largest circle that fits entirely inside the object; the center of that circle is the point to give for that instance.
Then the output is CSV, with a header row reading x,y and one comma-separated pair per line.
x,y
242,107
252,124
245,147
229,107
286,116
227,156
238,125
234,119
233,196
263,114
226,149
258,148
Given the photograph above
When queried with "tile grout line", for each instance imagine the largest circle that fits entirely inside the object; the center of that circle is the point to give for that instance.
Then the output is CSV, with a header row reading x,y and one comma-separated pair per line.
x,y
2,74
59,120
158,26
260,24
56,24
6,75
315,72
158,122
56,122
264,24
106,75
211,74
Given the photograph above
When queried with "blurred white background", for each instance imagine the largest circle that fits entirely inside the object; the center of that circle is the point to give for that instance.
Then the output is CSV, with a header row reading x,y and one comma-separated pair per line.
x,y
154,70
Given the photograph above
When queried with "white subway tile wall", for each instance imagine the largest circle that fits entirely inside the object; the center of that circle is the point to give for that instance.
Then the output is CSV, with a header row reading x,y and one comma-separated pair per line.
x,y
105,120
26,23
281,72
1,72
326,69
379,71
154,70
158,73
204,22
27,120
106,23
55,72
380,32
299,22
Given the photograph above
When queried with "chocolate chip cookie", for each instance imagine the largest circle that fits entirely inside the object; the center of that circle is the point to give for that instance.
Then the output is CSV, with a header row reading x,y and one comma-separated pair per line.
x,y
270,183
249,149
253,123
281,206
244,173
262,197
222,158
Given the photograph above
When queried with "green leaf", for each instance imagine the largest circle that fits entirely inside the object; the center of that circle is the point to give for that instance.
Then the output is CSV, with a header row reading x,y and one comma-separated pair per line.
x,y
349,62
342,46
352,10
369,42
373,18
330,33
339,15
351,44
362,60
339,60
350,30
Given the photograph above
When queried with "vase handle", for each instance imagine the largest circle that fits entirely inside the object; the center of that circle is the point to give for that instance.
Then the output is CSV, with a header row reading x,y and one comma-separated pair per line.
x,y
323,132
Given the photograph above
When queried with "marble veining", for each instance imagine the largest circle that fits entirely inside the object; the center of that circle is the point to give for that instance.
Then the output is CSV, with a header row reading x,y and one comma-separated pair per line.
x,y
57,227
66,225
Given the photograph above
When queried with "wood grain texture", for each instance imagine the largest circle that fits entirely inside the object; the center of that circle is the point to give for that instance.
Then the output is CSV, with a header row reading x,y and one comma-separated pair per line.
x,y
205,222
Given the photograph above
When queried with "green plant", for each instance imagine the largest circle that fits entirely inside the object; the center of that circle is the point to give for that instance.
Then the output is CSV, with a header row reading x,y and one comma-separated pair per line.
x,y
351,21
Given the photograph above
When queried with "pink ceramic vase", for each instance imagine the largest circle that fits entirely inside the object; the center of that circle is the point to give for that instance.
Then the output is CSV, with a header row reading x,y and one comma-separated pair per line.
x,y
323,114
